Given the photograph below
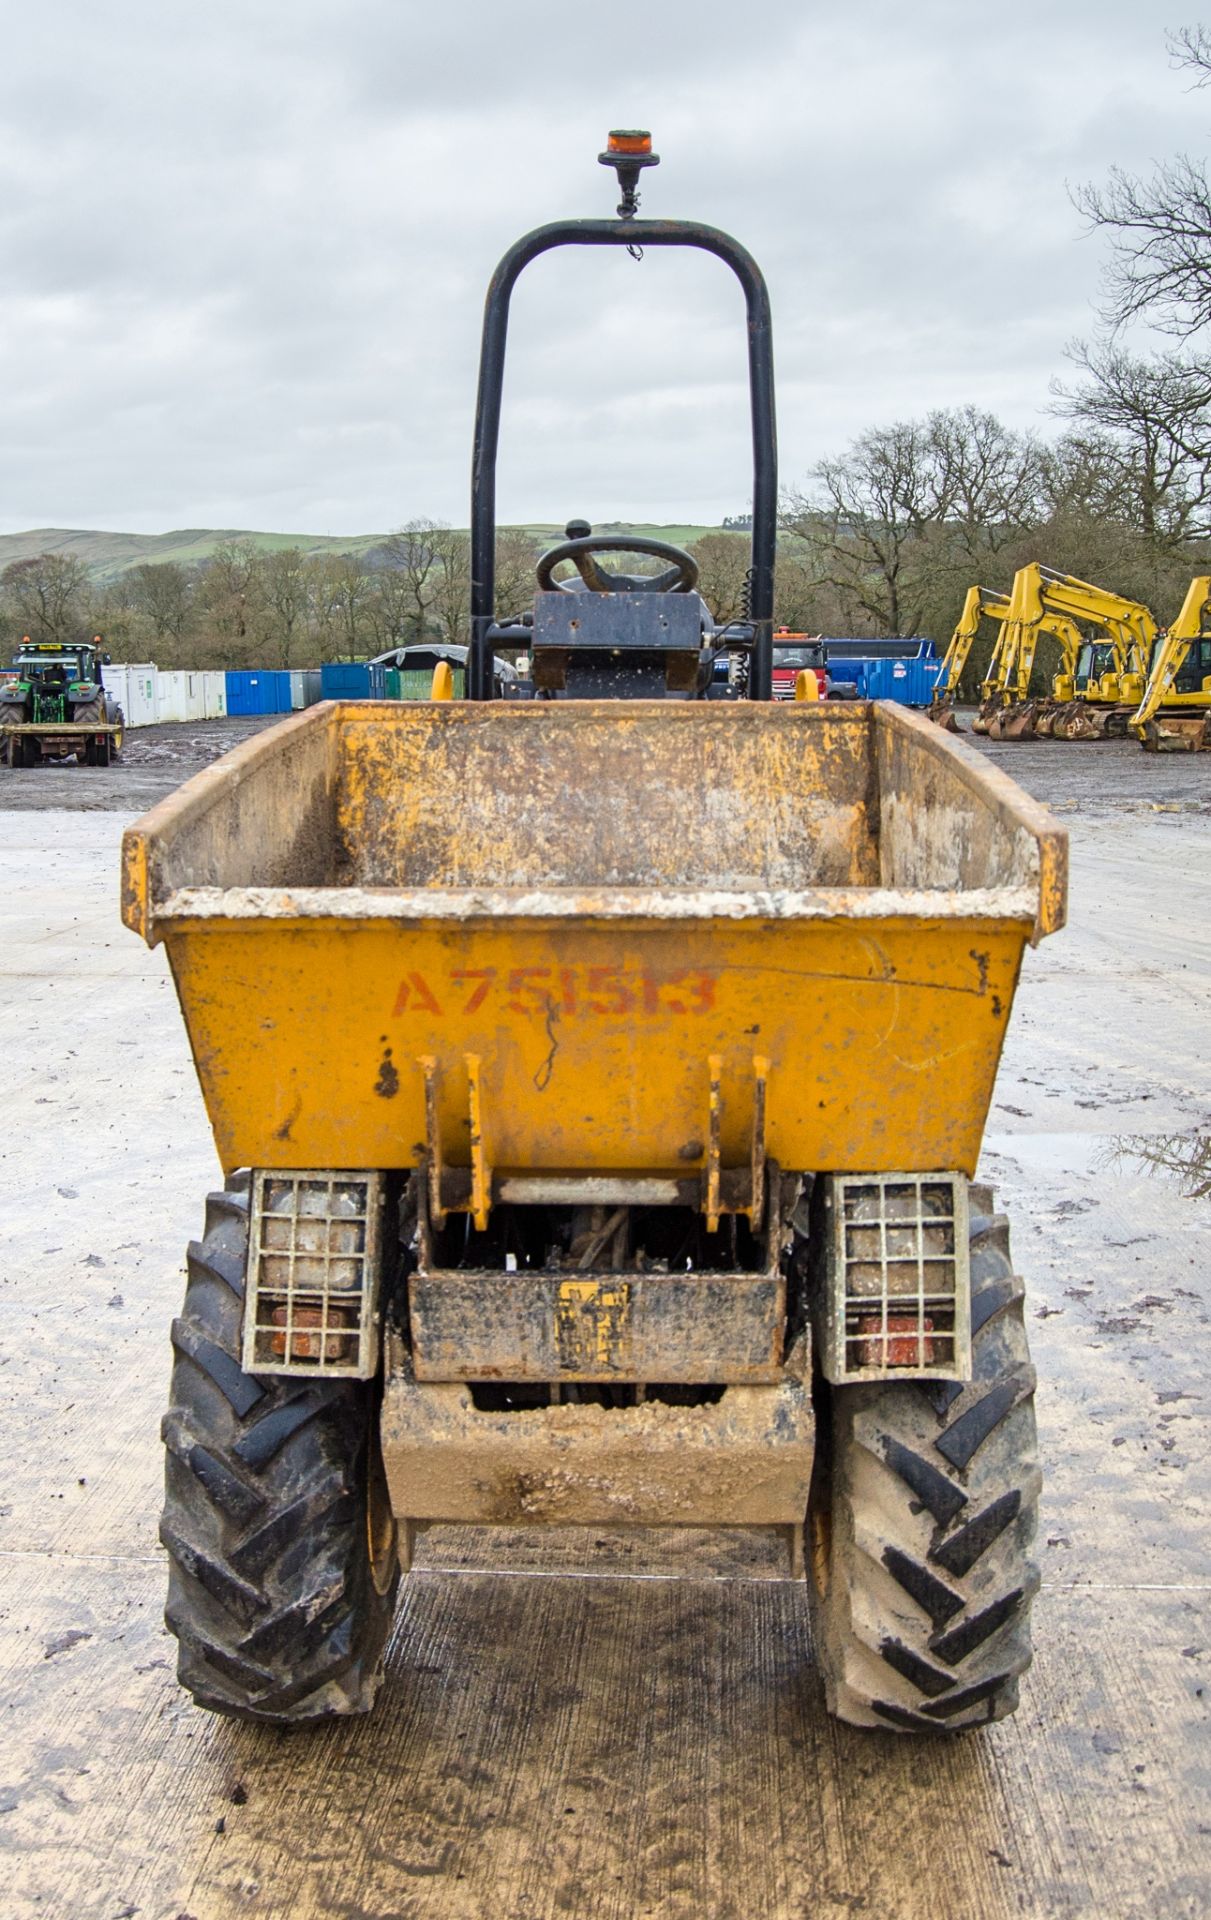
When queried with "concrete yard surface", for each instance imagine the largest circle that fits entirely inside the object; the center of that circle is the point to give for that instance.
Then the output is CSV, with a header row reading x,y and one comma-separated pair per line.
x,y
594,1723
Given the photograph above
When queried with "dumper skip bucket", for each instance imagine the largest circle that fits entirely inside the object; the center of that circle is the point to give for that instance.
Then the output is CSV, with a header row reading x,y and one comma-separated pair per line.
x,y
583,936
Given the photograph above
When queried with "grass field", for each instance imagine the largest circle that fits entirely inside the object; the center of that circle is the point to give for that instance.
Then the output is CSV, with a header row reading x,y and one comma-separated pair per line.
x,y
107,554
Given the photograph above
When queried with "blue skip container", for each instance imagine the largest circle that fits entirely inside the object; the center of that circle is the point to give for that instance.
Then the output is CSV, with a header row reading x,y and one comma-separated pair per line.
x,y
353,680
260,691
905,671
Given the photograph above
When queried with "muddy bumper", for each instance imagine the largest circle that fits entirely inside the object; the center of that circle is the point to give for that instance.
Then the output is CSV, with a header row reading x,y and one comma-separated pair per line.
x,y
744,1459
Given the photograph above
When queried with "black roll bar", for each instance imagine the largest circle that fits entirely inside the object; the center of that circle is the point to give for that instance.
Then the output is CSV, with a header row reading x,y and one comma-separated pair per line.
x,y
632,233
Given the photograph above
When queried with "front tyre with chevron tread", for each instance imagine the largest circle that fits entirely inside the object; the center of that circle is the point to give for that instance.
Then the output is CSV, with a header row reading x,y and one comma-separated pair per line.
x,y
923,1514
282,1549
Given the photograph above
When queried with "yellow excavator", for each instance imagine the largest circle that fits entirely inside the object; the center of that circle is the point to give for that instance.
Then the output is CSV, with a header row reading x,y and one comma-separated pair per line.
x,y
1107,642
1006,710
1174,715
980,603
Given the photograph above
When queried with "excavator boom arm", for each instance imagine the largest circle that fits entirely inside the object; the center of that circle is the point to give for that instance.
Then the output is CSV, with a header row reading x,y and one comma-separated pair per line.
x,y
980,603
1170,656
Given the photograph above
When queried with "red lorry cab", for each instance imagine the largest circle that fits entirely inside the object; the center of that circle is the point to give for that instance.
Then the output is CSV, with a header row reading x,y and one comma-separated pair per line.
x,y
793,652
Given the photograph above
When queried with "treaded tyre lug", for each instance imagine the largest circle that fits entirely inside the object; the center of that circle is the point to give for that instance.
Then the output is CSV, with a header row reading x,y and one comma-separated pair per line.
x,y
90,712
923,1512
273,1490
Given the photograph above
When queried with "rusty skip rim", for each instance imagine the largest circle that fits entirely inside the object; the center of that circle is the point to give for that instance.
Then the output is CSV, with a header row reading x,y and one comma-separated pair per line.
x,y
638,906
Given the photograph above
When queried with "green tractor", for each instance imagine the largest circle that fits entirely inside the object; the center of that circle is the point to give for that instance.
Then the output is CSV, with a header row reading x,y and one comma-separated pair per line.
x,y
53,703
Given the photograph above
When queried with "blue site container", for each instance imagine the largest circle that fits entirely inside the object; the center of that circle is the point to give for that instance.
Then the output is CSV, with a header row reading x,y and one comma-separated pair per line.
x,y
910,682
905,671
353,680
263,691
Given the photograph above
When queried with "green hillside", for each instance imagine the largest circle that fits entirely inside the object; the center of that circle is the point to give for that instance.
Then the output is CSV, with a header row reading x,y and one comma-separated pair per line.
x,y
108,554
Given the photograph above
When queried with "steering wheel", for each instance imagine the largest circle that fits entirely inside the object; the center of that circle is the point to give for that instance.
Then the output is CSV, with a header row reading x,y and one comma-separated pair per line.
x,y
580,548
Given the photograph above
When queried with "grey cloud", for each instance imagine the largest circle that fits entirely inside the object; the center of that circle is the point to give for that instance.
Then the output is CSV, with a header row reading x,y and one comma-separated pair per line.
x,y
245,246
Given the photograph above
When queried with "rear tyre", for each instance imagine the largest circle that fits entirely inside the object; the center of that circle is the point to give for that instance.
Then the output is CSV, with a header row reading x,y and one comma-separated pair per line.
x,y
91,713
922,1517
107,712
283,1563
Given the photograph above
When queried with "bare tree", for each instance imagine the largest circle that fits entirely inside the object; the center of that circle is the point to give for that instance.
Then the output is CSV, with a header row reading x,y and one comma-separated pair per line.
x,y
516,553
114,613
451,583
1160,228
163,593
897,527
46,595
325,585
287,598
343,596
231,592
799,600
391,607
1191,47
1083,479
410,554
1153,422
422,580
867,517
987,481
723,561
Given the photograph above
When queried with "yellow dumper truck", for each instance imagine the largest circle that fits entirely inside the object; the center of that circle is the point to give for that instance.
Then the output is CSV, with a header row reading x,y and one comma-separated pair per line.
x,y
599,1078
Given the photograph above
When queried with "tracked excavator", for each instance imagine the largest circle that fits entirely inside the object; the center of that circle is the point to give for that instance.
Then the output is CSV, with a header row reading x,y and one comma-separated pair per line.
x,y
981,603
1107,642
1006,711
1174,715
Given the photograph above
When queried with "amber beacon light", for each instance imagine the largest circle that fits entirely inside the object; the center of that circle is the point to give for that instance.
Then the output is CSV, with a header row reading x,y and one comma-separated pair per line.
x,y
627,150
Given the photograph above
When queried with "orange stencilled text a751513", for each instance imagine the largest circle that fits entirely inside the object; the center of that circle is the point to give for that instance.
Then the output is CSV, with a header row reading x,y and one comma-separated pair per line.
x,y
592,990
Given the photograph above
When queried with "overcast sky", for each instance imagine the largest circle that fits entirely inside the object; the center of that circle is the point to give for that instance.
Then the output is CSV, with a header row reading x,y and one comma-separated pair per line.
x,y
243,246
